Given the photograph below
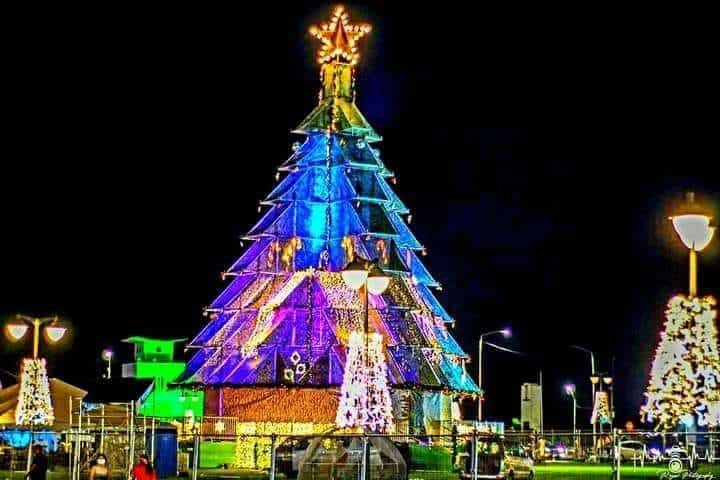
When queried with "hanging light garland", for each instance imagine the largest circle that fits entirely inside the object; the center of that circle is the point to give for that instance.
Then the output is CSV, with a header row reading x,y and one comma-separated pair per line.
x,y
349,247
267,312
289,250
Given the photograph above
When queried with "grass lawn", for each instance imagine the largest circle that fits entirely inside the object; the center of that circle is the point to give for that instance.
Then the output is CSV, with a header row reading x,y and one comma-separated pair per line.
x,y
576,471
237,474
207,474
432,475
545,471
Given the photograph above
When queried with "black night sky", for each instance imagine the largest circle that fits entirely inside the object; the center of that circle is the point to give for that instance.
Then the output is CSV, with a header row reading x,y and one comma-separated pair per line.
x,y
139,144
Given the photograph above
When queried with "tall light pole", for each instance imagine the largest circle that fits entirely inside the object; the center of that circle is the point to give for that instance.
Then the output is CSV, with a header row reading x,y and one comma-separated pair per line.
x,y
107,355
570,390
366,277
54,332
692,225
505,332
592,382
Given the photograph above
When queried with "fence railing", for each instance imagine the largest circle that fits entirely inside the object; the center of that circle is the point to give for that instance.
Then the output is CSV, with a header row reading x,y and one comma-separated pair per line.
x,y
211,452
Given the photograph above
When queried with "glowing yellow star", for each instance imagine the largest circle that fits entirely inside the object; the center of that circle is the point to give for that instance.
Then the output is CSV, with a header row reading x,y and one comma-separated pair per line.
x,y
339,38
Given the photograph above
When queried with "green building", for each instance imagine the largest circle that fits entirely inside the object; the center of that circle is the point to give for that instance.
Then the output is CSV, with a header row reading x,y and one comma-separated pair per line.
x,y
155,360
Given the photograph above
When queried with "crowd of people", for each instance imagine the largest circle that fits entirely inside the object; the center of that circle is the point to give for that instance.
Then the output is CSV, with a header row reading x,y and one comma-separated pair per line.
x,y
99,468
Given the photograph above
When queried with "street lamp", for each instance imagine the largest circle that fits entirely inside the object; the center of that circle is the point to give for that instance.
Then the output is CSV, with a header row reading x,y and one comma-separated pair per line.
x,y
505,332
693,227
593,381
570,391
107,355
361,275
17,328
29,409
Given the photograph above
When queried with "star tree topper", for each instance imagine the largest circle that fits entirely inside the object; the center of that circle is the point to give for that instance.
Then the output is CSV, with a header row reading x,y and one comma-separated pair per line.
x,y
339,38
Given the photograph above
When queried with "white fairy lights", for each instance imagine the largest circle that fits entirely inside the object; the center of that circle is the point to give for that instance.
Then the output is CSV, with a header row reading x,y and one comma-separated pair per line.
x,y
365,395
685,374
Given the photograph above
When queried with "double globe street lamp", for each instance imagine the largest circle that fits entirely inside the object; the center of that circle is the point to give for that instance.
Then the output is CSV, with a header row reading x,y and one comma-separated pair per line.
x,y
53,330
366,277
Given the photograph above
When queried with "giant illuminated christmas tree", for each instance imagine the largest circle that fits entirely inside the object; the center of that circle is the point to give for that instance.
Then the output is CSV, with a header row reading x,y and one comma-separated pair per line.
x,y
275,351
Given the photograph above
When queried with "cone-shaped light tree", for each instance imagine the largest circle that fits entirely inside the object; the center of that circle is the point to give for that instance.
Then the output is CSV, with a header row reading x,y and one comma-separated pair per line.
x,y
34,407
276,350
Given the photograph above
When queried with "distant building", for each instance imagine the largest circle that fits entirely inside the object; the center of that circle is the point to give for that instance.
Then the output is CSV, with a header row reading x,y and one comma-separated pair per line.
x,y
155,360
531,406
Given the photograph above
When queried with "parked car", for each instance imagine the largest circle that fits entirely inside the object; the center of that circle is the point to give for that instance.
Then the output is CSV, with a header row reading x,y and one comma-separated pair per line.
x,y
518,463
499,461
559,451
632,451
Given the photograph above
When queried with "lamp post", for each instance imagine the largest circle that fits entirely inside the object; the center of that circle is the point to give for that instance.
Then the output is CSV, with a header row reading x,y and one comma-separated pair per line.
x,y
592,383
54,332
366,278
693,227
107,355
570,391
505,332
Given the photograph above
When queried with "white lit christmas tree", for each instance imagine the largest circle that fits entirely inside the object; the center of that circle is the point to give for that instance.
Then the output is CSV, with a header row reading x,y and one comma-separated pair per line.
x,y
34,406
601,409
365,395
685,374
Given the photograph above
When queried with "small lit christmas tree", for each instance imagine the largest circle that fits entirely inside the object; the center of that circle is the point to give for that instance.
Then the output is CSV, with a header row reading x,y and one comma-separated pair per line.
x,y
34,406
365,394
601,409
686,369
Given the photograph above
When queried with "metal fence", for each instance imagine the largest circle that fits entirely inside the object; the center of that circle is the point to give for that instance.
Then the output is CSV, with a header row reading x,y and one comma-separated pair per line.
x,y
220,452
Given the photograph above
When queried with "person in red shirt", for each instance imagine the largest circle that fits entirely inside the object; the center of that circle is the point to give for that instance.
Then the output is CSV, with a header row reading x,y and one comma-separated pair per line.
x,y
143,470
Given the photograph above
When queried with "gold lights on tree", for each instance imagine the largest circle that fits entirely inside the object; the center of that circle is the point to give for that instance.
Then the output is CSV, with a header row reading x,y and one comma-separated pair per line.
x,y
339,38
685,374
34,407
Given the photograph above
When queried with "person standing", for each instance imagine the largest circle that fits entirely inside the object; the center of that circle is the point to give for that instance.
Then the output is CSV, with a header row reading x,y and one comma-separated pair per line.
x,y
143,470
39,465
101,469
